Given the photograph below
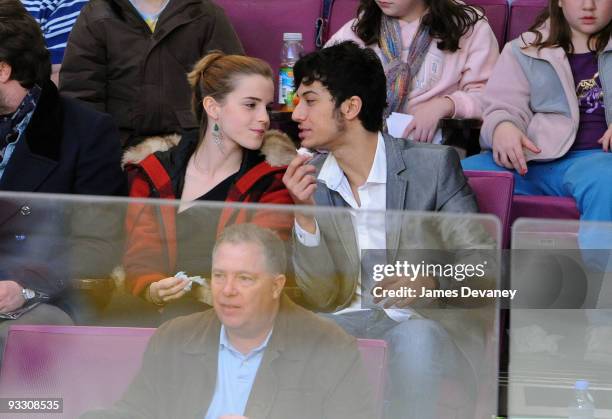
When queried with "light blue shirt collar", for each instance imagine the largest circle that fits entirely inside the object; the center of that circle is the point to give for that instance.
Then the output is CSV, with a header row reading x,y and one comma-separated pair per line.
x,y
224,343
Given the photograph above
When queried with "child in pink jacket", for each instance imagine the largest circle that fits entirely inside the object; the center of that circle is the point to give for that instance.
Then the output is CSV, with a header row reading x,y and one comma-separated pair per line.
x,y
548,108
437,55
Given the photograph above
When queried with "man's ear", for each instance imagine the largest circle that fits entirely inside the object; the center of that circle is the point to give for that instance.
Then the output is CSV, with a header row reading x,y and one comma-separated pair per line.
x,y
278,283
5,72
211,107
351,107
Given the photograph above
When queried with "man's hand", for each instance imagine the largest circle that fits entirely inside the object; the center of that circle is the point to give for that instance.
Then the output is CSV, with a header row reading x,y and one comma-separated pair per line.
x,y
508,145
166,290
300,180
606,140
397,283
11,297
427,117
301,184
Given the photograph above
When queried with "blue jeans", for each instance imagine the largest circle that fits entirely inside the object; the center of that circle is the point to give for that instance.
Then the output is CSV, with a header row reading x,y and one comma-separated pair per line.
x,y
585,175
425,367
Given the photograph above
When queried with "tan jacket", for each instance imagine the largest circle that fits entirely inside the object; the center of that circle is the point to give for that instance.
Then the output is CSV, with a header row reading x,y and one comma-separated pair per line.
x,y
310,369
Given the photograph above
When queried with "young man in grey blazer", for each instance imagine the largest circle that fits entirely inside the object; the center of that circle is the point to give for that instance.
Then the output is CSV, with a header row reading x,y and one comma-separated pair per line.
x,y
342,92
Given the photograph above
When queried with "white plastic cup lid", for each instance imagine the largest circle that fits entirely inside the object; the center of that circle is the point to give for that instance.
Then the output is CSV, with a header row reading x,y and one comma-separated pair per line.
x,y
292,36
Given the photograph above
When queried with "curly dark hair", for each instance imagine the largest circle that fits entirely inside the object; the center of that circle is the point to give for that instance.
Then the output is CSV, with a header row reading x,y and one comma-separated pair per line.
x,y
22,45
347,70
560,32
447,21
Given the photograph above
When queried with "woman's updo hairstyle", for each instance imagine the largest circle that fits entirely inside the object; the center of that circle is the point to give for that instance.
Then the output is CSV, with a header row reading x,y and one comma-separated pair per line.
x,y
215,75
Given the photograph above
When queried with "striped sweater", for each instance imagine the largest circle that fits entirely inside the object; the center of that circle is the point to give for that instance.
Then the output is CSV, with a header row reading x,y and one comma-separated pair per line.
x,y
56,18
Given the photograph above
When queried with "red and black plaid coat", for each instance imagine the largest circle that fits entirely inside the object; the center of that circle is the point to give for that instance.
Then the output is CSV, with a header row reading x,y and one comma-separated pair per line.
x,y
151,250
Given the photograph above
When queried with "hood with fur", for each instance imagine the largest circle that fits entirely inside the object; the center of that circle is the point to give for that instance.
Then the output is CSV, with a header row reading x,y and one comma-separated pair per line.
x,y
277,148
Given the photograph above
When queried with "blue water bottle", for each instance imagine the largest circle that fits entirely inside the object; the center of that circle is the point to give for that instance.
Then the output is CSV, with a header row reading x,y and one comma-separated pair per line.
x,y
583,405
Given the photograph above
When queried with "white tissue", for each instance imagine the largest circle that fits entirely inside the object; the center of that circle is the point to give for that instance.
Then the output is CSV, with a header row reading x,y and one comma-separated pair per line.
x,y
197,279
397,123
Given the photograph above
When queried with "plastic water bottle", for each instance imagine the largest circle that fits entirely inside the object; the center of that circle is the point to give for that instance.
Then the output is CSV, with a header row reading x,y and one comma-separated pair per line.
x,y
291,52
583,406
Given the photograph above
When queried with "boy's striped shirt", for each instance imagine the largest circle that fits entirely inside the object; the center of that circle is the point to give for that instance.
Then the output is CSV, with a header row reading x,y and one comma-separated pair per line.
x,y
56,18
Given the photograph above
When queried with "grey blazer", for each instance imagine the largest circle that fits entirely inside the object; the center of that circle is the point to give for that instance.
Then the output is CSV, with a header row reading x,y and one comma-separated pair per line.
x,y
420,177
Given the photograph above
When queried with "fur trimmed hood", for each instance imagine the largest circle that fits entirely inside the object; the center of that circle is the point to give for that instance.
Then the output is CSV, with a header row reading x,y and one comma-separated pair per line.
x,y
277,148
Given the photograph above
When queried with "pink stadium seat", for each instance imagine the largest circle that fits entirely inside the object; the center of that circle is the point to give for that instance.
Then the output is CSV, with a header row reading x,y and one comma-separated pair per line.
x,y
497,13
522,16
260,25
494,191
342,12
91,367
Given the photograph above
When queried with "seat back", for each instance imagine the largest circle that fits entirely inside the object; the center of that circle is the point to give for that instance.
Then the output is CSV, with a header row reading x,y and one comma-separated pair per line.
x,y
374,355
540,206
497,12
494,192
260,25
522,15
342,12
91,367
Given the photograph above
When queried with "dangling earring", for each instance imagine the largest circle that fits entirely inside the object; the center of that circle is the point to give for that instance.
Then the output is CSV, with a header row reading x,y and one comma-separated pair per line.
x,y
217,135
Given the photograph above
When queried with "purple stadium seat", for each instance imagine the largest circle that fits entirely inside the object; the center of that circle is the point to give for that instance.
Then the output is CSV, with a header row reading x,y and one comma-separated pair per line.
x,y
497,13
374,354
552,207
494,191
522,16
342,12
260,25
91,367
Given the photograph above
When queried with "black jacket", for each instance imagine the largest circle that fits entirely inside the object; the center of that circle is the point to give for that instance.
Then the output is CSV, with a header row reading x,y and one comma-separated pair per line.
x,y
114,62
45,240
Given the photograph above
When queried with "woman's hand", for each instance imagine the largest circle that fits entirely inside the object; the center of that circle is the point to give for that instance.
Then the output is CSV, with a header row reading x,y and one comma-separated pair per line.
x,y
606,140
427,117
166,290
508,144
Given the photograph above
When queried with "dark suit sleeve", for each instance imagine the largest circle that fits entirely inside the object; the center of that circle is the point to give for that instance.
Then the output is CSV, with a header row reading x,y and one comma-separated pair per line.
x,y
38,260
97,228
221,35
98,169
83,72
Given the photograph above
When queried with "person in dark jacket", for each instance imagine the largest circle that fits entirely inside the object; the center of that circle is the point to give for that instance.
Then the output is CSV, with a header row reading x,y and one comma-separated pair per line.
x,y
233,159
53,144
129,58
